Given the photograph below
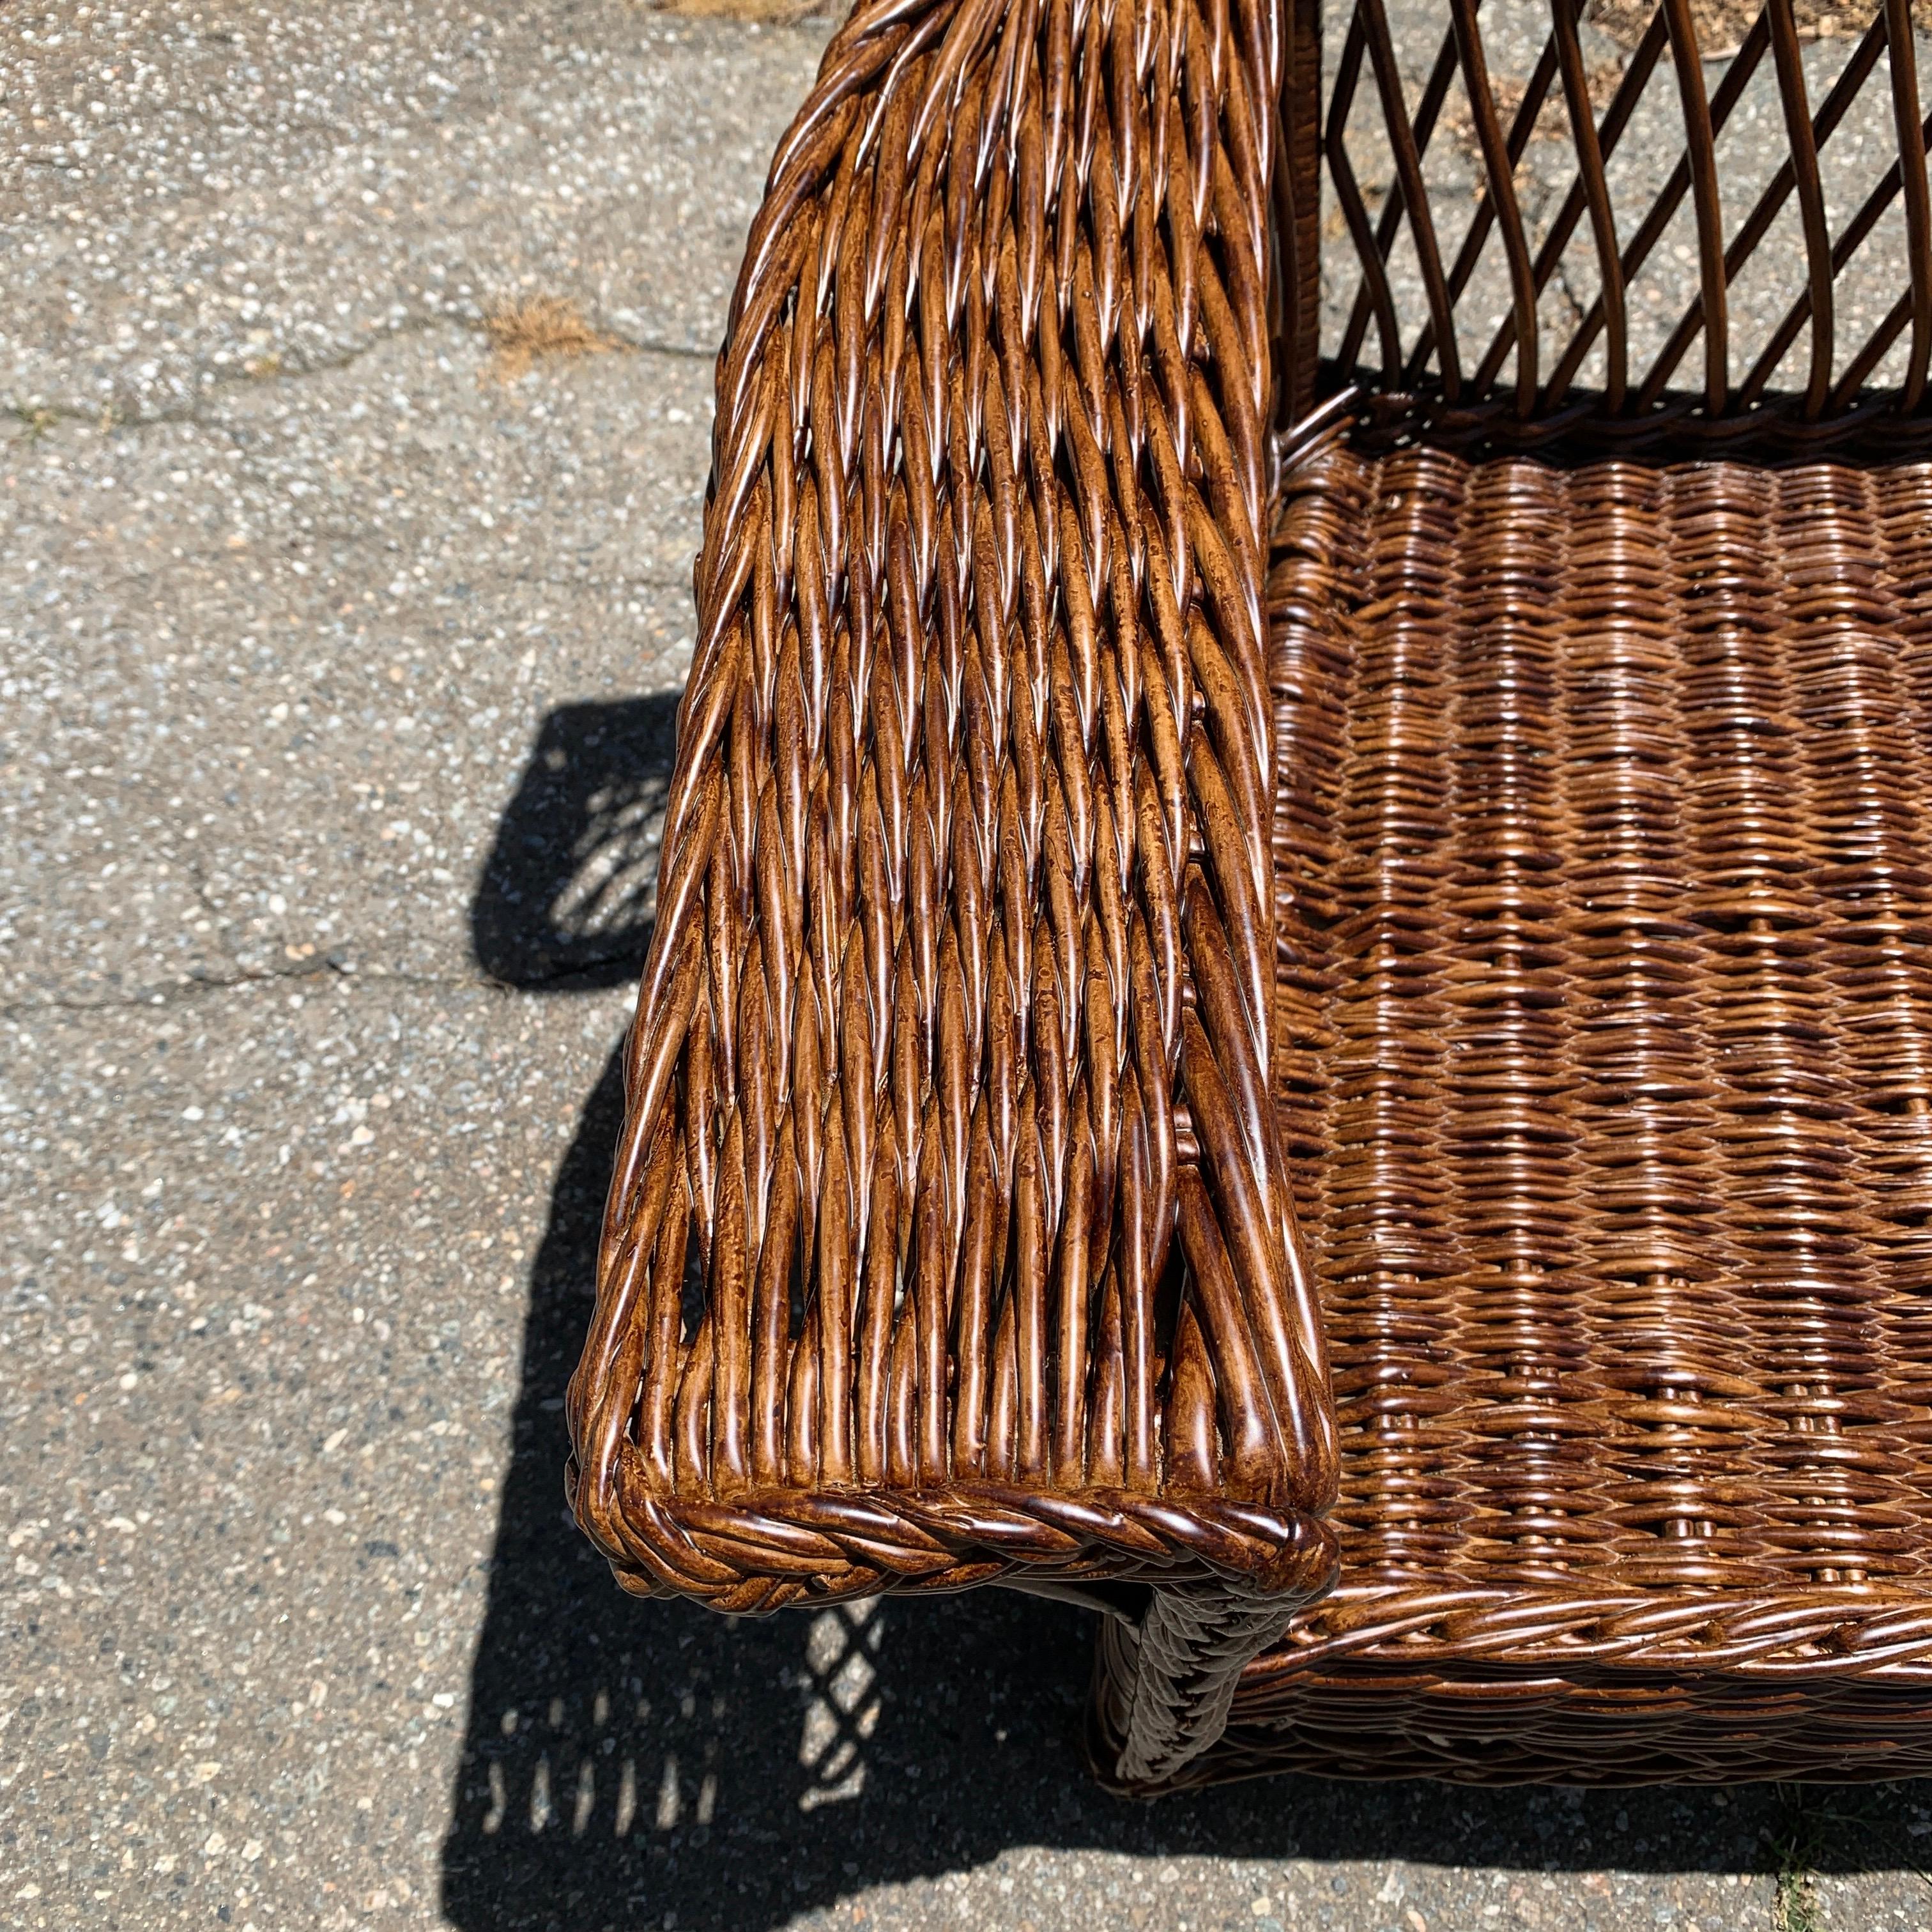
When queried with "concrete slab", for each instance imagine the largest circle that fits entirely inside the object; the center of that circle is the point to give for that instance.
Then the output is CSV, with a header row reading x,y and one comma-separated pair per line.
x,y
272,672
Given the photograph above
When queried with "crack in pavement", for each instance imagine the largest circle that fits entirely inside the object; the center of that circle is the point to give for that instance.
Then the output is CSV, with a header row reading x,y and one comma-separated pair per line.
x,y
580,976
37,416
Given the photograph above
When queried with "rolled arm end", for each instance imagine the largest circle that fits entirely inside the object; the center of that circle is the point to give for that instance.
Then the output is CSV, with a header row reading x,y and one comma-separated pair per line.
x,y
950,1240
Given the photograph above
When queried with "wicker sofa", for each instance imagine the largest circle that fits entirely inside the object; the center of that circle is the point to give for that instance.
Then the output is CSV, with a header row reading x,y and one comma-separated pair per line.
x,y
1293,987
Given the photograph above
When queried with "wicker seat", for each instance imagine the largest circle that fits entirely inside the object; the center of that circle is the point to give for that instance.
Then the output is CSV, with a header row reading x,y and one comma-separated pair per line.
x,y
1266,961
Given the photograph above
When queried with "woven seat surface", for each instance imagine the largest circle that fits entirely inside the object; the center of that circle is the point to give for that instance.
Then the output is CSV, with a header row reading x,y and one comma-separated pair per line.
x,y
1605,1054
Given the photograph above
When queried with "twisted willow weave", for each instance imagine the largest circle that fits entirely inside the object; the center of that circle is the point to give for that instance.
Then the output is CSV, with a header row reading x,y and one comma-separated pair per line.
x,y
1290,929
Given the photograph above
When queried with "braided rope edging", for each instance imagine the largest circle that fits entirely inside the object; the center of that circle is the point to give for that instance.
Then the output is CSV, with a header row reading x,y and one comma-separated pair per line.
x,y
1811,1634
756,1553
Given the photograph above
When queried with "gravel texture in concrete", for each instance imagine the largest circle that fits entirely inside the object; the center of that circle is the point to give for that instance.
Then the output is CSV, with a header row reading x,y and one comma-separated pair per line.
x,y
337,677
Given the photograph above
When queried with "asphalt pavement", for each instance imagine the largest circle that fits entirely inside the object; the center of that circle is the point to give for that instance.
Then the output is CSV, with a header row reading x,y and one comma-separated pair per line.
x,y
338,662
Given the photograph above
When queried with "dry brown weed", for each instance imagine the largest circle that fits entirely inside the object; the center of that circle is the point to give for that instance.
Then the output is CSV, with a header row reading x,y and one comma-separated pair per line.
x,y
531,328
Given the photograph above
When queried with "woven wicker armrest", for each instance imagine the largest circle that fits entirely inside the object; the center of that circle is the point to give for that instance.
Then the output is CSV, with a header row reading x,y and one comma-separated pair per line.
x,y
949,1240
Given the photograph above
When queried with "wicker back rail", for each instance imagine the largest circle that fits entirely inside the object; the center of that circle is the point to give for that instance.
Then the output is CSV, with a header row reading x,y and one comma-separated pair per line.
x,y
1556,222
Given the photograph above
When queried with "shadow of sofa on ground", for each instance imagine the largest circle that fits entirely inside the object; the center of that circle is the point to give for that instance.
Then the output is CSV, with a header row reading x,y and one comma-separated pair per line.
x,y
630,1764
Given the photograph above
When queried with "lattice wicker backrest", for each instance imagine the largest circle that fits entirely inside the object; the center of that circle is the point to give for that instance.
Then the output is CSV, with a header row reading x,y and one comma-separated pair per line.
x,y
1687,226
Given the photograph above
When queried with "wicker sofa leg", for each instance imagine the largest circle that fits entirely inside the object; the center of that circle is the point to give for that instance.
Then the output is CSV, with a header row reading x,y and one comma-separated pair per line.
x,y
1163,1686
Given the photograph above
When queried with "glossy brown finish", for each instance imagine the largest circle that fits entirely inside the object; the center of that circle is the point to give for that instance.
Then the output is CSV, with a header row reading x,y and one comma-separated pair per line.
x,y
948,1082
1604,1059
1162,888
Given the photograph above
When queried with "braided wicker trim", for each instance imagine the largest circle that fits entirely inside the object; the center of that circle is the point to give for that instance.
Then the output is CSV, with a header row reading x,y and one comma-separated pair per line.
x,y
1670,1731
1869,432
1809,1634
762,1552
